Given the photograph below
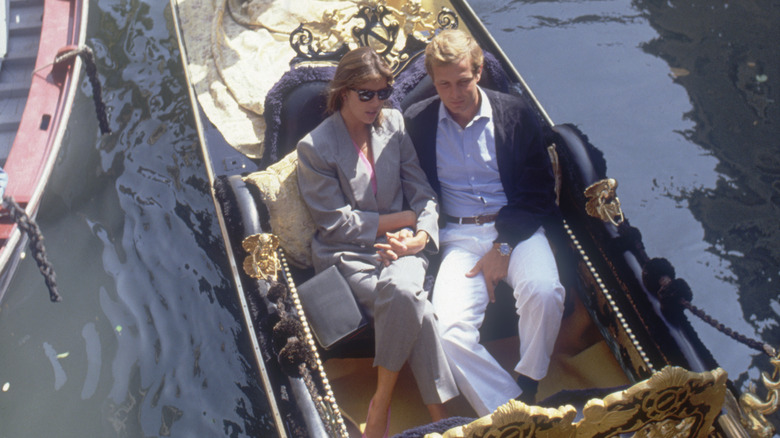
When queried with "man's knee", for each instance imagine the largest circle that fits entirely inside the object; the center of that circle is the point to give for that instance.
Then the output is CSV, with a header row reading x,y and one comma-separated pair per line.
x,y
544,292
458,333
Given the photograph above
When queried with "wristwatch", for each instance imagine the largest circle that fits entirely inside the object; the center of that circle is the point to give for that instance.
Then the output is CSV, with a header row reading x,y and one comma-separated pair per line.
x,y
504,249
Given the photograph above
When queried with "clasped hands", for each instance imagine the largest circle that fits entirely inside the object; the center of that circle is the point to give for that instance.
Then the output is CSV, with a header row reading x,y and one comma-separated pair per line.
x,y
400,243
493,266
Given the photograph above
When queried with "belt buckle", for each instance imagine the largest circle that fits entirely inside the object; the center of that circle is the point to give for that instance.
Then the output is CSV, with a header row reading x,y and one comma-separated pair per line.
x,y
478,220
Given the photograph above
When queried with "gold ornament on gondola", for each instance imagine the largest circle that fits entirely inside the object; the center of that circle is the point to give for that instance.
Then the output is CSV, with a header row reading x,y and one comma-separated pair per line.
x,y
755,409
397,35
673,402
263,260
603,202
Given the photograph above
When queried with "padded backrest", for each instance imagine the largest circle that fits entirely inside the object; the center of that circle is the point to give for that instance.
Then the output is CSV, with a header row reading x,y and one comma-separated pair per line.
x,y
296,104
304,109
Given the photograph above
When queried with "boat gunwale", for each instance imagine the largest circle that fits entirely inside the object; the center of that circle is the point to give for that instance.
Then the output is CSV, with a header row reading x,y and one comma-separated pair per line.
x,y
30,192
230,252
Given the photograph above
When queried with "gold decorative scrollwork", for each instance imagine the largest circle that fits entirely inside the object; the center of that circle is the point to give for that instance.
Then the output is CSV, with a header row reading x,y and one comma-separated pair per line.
x,y
603,202
673,399
755,409
673,402
263,260
396,35
518,419
555,162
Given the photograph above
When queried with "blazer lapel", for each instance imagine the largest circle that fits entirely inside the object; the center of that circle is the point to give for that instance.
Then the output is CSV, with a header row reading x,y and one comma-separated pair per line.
x,y
352,167
385,167
501,138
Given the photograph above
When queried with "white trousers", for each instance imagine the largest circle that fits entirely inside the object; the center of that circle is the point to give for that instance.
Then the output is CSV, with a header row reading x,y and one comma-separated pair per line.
x,y
460,302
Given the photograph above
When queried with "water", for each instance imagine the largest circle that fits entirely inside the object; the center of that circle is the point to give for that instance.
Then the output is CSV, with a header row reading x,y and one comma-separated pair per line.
x,y
681,97
148,341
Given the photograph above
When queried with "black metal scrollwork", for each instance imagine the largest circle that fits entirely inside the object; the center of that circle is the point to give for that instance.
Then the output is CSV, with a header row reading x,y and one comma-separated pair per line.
x,y
307,48
447,19
379,29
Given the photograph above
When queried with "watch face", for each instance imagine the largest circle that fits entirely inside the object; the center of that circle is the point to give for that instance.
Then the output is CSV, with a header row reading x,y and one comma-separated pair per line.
x,y
504,249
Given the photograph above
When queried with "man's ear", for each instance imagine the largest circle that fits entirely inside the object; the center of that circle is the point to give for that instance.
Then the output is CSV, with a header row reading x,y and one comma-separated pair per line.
x,y
478,74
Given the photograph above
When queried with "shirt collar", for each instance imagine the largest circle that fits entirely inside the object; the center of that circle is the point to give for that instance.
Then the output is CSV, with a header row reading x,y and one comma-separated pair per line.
x,y
484,111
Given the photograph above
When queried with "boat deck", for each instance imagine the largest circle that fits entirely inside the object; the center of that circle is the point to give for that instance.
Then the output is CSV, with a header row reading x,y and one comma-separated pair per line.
x,y
23,29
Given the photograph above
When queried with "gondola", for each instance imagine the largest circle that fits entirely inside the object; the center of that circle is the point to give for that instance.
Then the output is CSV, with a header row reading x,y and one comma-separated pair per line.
x,y
39,78
627,361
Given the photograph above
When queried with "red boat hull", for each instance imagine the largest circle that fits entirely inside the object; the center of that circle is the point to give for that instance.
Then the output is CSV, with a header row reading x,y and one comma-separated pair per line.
x,y
43,123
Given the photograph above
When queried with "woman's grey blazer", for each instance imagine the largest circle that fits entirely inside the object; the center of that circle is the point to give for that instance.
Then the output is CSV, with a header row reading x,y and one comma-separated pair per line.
x,y
336,187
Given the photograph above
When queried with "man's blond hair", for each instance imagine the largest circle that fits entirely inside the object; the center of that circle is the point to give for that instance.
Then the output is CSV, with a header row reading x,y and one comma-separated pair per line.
x,y
451,46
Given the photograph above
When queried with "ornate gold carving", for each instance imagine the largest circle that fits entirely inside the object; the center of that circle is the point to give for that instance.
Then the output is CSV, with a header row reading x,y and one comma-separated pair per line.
x,y
552,151
262,261
672,403
603,202
331,30
661,402
417,21
755,409
396,35
666,429
520,420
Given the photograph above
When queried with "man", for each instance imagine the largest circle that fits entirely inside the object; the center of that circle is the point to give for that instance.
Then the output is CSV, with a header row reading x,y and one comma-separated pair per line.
x,y
484,155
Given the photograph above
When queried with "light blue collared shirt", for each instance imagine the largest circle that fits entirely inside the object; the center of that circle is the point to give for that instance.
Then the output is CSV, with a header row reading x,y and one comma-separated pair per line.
x,y
466,163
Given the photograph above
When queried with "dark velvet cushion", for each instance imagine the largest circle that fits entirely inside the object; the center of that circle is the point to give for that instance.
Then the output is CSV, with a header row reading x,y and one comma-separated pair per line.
x,y
295,105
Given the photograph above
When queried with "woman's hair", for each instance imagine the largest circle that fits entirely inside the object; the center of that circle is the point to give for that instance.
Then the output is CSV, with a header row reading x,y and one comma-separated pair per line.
x,y
450,47
357,66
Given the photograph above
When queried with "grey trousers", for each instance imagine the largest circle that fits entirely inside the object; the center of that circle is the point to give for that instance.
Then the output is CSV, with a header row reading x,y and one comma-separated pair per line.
x,y
404,324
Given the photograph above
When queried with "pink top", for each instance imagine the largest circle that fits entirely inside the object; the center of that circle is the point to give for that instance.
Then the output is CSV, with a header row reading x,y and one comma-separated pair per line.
x,y
367,162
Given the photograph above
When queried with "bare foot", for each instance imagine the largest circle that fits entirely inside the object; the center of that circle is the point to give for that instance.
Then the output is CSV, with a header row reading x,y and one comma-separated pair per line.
x,y
377,420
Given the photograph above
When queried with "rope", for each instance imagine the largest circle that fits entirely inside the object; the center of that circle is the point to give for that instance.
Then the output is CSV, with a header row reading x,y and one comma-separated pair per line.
x,y
37,248
88,57
752,343
658,276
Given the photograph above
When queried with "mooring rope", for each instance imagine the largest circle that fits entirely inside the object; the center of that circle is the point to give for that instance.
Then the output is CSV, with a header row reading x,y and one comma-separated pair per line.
x,y
88,57
658,276
739,337
28,225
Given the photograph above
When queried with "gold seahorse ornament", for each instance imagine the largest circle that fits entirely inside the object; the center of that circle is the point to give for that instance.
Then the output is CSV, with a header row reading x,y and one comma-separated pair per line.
x,y
263,260
603,202
755,409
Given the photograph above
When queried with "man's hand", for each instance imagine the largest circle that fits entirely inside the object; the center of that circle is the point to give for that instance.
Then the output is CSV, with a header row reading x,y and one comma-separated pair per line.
x,y
401,243
494,268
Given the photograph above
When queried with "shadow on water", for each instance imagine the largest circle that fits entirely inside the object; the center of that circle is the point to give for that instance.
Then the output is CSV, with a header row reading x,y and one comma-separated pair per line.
x,y
148,340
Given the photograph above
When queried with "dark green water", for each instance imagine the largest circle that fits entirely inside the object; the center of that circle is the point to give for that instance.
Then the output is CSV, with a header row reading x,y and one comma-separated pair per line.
x,y
148,341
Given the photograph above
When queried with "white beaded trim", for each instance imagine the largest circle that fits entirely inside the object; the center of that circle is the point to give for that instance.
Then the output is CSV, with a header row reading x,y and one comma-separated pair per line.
x,y
329,401
608,296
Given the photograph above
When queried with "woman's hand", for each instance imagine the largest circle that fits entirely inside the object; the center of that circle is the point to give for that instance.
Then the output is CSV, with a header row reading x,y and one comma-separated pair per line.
x,y
401,243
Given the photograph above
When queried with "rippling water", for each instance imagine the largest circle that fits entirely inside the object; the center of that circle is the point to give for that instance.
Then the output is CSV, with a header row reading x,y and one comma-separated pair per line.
x,y
681,97
148,341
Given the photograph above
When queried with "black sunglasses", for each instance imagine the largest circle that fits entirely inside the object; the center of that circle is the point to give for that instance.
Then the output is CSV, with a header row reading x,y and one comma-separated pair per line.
x,y
366,95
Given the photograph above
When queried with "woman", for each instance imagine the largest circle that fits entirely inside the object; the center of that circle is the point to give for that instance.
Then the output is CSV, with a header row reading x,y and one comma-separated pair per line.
x,y
355,170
